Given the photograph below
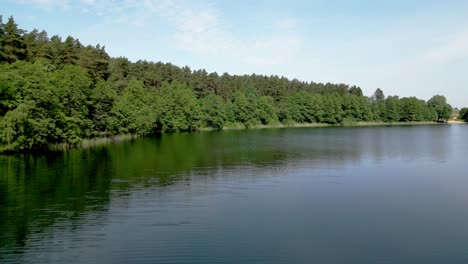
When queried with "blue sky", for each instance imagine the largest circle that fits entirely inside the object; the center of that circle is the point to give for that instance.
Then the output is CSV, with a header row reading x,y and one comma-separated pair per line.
x,y
406,48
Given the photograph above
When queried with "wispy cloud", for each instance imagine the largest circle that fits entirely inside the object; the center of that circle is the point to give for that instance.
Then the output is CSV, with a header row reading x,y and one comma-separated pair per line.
x,y
202,29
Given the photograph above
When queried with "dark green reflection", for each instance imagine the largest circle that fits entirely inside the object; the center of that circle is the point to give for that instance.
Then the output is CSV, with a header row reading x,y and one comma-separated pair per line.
x,y
45,188
37,191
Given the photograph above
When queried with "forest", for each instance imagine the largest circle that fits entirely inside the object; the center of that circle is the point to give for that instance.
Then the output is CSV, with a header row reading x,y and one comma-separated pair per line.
x,y
60,91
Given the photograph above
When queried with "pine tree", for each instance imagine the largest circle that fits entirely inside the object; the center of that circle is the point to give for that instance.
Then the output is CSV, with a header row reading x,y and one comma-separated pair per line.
x,y
13,44
42,46
70,54
355,91
2,34
55,51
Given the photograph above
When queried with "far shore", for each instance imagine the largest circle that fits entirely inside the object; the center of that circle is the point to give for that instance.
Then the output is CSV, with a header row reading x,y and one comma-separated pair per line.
x,y
318,125
88,143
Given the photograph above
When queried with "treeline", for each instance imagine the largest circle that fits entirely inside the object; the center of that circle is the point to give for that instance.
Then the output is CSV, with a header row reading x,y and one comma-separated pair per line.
x,y
57,91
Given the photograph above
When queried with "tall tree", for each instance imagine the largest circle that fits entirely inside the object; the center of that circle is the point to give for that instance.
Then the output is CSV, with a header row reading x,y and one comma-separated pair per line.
x,y
70,51
392,104
55,51
266,111
13,44
442,108
380,111
31,41
2,44
354,90
378,95
102,100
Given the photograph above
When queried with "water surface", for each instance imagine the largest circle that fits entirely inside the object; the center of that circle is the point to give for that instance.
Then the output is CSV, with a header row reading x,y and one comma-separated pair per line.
x,y
304,195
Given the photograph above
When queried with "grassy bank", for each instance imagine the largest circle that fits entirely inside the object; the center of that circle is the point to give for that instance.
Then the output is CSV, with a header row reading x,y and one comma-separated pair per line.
x,y
92,142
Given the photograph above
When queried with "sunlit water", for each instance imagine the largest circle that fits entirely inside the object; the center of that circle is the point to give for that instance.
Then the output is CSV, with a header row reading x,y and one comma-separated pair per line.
x,y
304,195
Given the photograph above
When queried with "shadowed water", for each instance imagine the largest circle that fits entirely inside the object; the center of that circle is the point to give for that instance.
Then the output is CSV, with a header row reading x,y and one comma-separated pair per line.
x,y
305,195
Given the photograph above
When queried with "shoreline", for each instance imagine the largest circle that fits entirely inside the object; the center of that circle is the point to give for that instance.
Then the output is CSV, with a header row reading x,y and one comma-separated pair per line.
x,y
319,125
99,141
91,142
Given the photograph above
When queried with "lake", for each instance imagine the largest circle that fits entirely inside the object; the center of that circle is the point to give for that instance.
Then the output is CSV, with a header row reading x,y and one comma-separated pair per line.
x,y
301,195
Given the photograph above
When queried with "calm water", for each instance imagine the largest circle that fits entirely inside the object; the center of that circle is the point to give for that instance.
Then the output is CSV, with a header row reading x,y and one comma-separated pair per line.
x,y
320,195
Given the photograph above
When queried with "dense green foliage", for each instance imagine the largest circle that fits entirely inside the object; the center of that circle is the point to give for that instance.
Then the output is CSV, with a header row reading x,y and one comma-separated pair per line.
x,y
439,104
54,91
463,115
